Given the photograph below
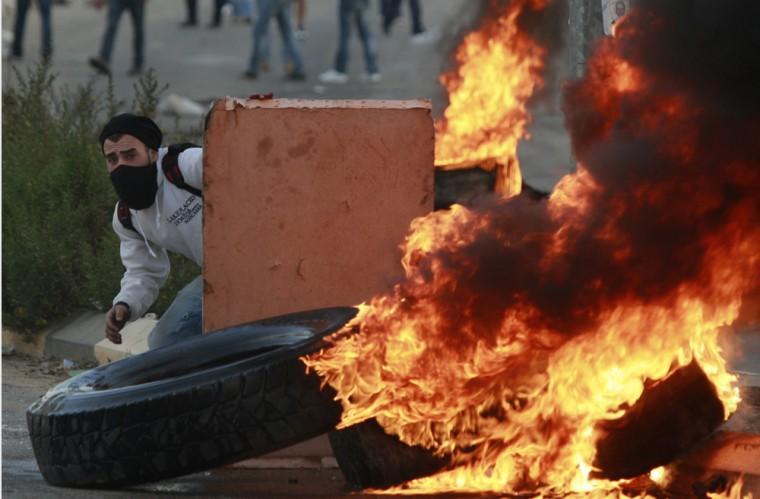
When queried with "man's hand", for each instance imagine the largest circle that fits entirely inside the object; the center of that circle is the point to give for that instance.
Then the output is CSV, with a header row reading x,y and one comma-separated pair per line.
x,y
115,320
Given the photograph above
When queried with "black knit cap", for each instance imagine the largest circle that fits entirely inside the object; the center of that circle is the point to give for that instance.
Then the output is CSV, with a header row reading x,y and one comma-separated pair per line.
x,y
140,127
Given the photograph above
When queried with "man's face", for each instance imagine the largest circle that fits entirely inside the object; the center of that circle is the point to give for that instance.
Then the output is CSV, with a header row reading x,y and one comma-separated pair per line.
x,y
620,9
127,151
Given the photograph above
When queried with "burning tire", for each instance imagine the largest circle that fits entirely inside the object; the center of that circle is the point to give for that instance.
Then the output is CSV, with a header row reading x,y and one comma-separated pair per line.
x,y
187,407
371,458
670,418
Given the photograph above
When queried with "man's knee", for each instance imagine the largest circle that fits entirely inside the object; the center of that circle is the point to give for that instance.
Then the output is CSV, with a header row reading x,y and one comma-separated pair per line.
x,y
183,319
173,328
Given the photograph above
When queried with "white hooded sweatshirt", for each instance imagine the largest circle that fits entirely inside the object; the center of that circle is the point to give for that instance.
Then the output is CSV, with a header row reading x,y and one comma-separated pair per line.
x,y
173,222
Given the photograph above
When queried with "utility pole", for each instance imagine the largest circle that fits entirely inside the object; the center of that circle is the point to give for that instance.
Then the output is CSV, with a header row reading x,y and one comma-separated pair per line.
x,y
585,27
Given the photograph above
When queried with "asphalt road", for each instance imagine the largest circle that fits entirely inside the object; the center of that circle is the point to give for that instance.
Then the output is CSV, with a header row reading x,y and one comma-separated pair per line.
x,y
205,64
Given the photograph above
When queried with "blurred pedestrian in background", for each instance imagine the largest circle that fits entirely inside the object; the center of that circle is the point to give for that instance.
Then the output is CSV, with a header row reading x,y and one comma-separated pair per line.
x,y
136,8
192,14
242,10
352,11
280,11
22,9
301,32
390,10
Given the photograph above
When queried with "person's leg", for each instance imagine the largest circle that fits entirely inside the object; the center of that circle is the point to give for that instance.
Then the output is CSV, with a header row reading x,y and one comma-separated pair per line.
x,y
216,18
416,9
390,10
242,10
47,29
345,7
192,12
115,9
260,33
137,11
368,42
265,51
301,15
183,319
22,9
288,40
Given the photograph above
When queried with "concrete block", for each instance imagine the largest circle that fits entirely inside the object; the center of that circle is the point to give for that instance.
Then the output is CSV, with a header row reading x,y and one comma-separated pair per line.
x,y
134,338
306,202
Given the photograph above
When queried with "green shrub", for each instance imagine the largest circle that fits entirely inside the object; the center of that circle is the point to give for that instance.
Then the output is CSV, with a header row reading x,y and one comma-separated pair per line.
x,y
59,250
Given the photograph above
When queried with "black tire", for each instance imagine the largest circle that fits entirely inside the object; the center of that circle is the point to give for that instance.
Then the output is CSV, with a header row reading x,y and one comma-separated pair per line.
x,y
669,419
188,407
371,458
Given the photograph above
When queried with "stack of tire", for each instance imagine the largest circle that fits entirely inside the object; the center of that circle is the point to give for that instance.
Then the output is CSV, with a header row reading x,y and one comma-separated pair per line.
x,y
243,392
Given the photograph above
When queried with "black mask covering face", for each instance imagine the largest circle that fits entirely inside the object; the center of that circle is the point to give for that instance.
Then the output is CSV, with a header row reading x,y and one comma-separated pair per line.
x,y
136,185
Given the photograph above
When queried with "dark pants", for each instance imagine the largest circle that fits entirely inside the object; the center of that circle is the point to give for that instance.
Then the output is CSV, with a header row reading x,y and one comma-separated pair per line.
x,y
192,11
183,320
22,9
136,10
348,11
391,10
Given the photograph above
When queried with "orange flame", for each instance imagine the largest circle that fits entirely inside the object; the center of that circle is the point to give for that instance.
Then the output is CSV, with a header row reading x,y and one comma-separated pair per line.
x,y
499,70
735,491
548,392
512,396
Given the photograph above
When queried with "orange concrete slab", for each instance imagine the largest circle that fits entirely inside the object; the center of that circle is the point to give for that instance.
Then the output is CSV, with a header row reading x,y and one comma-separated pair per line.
x,y
307,201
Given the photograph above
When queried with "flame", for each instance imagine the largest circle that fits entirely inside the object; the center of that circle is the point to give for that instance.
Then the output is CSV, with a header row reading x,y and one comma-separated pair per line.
x,y
548,393
520,326
659,474
735,491
499,70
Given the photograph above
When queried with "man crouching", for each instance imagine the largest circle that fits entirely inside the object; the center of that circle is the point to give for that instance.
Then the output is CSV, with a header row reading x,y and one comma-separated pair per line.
x,y
160,208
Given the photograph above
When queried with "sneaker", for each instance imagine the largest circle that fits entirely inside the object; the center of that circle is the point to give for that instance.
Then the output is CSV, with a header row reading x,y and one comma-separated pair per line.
x,y
250,75
424,38
188,24
333,76
100,65
301,34
372,77
296,76
134,71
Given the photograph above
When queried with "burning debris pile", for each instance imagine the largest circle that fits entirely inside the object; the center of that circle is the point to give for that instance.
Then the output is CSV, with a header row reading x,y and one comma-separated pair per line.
x,y
500,68
523,330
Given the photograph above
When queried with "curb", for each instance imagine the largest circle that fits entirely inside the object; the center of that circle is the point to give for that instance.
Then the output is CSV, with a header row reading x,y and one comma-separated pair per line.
x,y
81,338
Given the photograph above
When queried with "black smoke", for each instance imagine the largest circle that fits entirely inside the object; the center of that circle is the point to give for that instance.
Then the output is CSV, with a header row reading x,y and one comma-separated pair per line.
x,y
671,187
